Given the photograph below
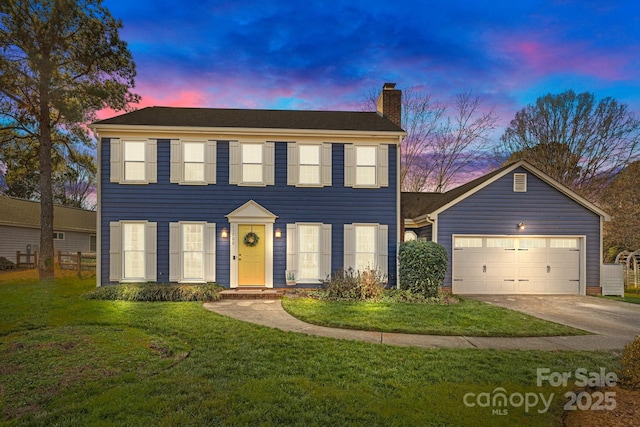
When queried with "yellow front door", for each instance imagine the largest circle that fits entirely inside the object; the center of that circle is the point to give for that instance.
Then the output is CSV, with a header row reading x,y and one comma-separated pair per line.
x,y
251,255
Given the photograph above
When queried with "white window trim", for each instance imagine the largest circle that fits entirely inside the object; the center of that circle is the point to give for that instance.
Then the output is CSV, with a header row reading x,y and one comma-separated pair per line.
x,y
293,164
235,163
176,254
382,165
58,235
117,161
116,252
324,252
209,161
382,247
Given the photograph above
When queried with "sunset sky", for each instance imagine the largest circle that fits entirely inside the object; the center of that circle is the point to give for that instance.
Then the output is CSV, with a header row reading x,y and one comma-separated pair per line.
x,y
328,55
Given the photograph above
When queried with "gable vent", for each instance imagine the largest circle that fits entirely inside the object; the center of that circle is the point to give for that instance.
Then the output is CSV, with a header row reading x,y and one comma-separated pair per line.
x,y
519,182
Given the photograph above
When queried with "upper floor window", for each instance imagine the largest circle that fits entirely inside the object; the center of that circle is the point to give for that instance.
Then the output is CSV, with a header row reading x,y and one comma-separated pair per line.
x,y
309,165
193,162
58,235
134,156
133,161
366,166
251,163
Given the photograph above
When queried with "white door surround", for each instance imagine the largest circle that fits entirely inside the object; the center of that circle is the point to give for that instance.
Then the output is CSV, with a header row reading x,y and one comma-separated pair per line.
x,y
251,213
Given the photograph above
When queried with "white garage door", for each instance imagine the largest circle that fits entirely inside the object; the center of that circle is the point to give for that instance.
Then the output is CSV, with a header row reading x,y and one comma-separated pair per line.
x,y
516,265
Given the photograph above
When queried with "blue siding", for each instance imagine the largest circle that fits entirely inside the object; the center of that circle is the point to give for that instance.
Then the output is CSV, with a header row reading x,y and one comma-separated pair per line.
x,y
164,202
497,209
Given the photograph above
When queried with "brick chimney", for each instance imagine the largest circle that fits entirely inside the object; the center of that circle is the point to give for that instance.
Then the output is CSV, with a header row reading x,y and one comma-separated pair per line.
x,y
389,103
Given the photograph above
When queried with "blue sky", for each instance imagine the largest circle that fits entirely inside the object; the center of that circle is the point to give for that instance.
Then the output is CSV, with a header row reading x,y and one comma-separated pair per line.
x,y
328,55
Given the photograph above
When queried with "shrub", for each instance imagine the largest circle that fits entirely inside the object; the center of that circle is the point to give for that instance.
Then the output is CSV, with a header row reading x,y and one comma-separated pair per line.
x,y
157,292
631,365
5,264
422,267
355,286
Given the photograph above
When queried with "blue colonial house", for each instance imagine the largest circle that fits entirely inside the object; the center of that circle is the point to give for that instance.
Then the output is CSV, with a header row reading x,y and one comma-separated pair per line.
x,y
248,197
512,231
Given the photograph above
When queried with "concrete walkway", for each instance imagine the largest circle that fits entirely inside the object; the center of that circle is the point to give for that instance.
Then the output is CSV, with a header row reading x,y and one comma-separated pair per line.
x,y
270,313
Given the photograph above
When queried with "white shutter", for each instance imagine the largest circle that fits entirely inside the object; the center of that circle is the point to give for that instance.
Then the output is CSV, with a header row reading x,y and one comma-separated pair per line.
x,y
152,161
325,255
174,252
116,160
292,163
269,163
383,249
349,247
349,165
115,251
210,160
150,236
383,165
292,247
234,162
326,164
210,252
176,161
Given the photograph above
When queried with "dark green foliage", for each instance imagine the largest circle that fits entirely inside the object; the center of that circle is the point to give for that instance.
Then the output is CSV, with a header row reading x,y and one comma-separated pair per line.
x,y
422,267
5,264
631,365
157,292
355,286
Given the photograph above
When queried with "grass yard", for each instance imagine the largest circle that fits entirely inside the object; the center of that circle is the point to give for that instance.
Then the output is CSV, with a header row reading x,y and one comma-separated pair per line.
x,y
68,361
466,318
629,296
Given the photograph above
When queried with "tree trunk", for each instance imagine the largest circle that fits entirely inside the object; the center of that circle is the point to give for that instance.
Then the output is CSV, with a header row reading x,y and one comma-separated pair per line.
x,y
45,261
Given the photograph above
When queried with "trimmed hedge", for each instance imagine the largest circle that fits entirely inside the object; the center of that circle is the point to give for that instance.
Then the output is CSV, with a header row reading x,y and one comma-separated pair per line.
x,y
422,267
153,292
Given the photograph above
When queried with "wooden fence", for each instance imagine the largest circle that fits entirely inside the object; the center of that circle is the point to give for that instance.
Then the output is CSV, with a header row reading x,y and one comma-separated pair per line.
x,y
77,261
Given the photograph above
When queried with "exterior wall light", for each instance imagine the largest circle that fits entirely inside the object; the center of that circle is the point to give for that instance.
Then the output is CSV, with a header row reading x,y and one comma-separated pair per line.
x,y
224,233
521,226
278,233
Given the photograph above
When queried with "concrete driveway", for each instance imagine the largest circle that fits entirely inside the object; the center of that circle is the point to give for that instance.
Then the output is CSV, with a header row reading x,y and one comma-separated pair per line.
x,y
613,320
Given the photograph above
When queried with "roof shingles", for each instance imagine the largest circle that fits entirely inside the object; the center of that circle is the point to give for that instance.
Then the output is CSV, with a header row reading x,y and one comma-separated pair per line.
x,y
258,119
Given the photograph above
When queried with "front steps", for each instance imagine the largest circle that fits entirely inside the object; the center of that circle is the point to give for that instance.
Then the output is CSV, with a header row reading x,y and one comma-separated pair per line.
x,y
252,293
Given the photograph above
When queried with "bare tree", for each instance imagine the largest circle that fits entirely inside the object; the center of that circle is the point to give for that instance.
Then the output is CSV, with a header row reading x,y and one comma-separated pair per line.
x,y
463,138
441,140
578,140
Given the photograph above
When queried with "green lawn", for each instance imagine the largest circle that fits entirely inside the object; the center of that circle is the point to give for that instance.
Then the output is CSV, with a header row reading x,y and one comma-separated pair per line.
x,y
466,318
68,361
632,297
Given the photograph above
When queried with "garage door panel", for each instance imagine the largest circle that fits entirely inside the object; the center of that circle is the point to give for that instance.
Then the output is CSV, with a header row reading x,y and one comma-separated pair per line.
x,y
503,265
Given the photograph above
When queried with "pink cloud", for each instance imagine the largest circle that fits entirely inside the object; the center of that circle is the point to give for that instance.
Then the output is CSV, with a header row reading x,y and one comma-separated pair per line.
x,y
546,57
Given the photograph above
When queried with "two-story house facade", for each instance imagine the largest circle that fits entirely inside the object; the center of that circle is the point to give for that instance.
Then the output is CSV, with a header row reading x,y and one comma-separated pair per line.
x,y
248,197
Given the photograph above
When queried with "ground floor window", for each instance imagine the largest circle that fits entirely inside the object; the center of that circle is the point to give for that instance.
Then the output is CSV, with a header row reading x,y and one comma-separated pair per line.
x,y
192,248
309,251
132,251
366,247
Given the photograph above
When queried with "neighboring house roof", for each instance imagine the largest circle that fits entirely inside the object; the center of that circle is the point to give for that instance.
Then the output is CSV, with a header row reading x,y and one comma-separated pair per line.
x,y
418,206
26,213
258,119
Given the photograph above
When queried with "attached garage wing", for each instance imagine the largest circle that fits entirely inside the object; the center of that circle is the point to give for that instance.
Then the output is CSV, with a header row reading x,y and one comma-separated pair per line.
x,y
516,265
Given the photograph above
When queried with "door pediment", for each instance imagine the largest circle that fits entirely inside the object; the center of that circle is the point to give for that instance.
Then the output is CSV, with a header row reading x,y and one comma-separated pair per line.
x,y
251,212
